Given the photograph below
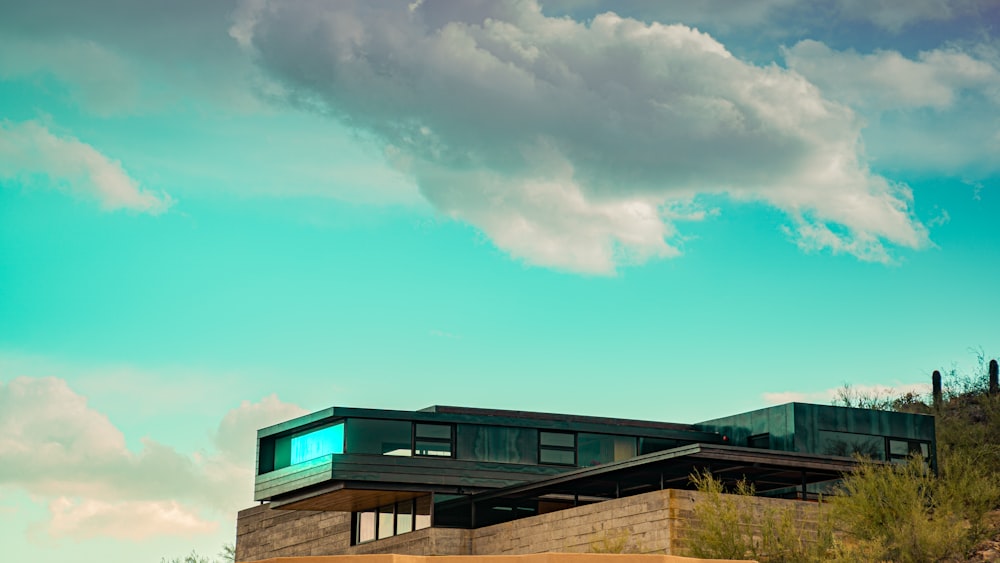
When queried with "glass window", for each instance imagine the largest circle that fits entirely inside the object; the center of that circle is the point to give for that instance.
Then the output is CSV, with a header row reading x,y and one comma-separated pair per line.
x,y
432,440
441,431
561,439
558,448
404,517
422,513
847,444
304,446
497,443
595,449
556,457
386,516
365,526
379,437
899,448
433,449
318,443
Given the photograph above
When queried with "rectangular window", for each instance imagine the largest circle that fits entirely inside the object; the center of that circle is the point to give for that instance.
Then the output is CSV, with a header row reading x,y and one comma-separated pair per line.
x,y
422,513
404,517
364,529
557,448
300,447
379,437
847,444
497,443
386,519
433,440
318,443
391,520
595,449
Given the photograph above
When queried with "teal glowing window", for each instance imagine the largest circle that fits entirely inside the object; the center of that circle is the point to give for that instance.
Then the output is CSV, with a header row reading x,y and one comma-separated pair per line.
x,y
318,443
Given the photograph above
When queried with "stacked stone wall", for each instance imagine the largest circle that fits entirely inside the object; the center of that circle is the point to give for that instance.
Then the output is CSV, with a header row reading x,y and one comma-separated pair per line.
x,y
655,522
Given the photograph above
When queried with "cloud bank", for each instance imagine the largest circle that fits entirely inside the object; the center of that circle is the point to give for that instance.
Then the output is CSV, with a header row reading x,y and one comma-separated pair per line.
x,y
29,150
569,144
55,447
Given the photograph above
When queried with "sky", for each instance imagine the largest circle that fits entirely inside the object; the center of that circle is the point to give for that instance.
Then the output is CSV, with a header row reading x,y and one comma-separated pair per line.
x,y
215,216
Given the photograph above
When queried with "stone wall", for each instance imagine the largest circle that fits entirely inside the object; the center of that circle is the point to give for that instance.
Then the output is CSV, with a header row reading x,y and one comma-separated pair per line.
x,y
653,522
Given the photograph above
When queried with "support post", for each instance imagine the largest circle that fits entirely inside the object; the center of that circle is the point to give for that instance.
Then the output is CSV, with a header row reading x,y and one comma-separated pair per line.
x,y
936,389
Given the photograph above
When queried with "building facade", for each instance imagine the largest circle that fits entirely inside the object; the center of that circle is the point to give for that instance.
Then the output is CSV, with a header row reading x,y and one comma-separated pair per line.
x,y
366,480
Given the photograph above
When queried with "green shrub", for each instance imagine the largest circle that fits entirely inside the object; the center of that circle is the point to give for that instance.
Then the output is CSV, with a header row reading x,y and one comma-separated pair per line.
x,y
739,526
903,513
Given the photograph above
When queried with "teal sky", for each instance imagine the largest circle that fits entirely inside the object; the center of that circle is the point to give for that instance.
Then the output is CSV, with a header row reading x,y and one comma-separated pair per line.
x,y
216,217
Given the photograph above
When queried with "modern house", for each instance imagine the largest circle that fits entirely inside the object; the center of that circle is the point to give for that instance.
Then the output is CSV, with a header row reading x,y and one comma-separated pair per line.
x,y
349,480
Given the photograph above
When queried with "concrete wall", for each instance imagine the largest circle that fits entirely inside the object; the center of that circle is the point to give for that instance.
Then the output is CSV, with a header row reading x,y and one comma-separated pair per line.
x,y
653,522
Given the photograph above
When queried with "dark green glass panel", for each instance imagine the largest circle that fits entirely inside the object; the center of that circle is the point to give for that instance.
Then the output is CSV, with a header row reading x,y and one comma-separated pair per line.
x,y
847,444
595,449
497,443
282,452
380,437
441,431
556,457
563,439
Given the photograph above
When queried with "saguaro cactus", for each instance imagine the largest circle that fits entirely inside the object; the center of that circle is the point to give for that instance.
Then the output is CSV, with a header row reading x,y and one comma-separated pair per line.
x,y
936,389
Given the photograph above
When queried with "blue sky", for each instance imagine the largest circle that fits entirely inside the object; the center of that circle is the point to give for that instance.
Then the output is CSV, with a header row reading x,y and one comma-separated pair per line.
x,y
215,216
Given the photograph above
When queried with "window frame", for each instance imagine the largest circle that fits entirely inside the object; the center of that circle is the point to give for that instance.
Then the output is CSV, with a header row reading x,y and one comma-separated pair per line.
x,y
415,437
552,448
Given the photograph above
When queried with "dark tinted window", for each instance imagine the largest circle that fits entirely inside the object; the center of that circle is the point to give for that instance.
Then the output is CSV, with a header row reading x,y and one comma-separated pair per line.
x,y
381,437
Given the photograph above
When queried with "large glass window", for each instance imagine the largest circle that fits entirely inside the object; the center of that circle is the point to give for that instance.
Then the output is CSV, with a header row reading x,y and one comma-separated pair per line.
x,y
497,443
595,449
847,444
557,448
434,440
379,437
392,519
318,443
303,446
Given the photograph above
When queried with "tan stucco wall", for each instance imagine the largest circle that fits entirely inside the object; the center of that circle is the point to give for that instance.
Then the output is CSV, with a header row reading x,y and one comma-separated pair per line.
x,y
653,522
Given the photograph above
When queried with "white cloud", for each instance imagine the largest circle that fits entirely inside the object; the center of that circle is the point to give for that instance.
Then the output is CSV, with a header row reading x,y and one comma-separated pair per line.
x,y
136,520
29,150
938,112
887,80
54,446
567,142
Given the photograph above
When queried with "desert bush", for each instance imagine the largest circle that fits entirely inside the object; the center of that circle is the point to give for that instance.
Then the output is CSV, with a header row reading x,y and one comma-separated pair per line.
x,y
738,526
904,513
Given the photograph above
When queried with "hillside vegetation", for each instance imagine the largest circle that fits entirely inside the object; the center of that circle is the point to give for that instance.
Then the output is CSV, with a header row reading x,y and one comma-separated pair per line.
x,y
901,513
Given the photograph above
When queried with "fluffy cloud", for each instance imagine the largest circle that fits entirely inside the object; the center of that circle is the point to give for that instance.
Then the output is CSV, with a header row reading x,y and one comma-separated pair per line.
x,y
54,446
938,112
29,150
887,80
124,520
569,142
